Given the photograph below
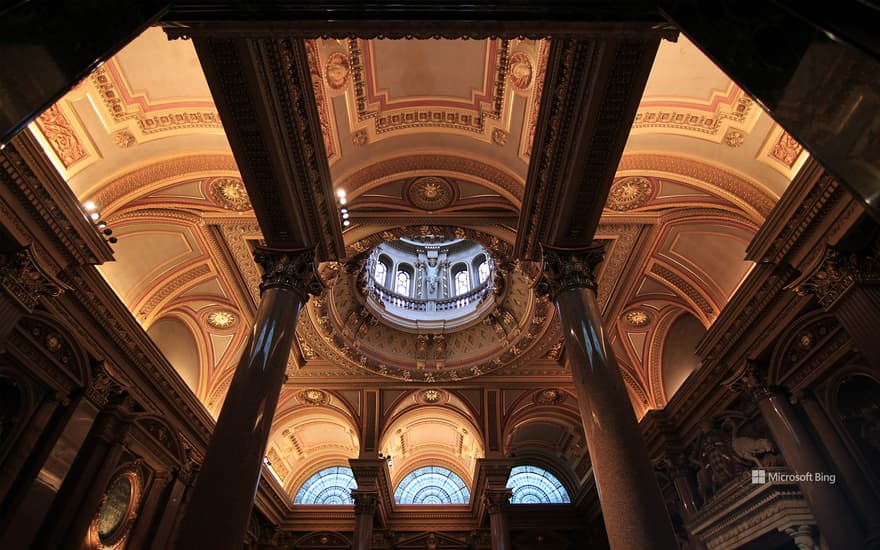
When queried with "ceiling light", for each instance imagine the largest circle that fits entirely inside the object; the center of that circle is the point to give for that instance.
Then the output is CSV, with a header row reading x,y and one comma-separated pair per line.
x,y
346,223
95,216
345,215
90,206
342,200
340,193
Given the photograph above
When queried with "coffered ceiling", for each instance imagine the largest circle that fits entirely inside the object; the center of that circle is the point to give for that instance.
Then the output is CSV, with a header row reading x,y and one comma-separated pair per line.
x,y
142,138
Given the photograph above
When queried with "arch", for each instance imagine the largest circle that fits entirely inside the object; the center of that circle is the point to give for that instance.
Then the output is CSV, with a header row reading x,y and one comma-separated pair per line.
x,y
432,485
460,278
330,486
382,269
403,279
534,485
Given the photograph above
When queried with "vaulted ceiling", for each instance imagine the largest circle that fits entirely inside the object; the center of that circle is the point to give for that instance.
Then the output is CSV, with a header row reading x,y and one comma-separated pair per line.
x,y
142,138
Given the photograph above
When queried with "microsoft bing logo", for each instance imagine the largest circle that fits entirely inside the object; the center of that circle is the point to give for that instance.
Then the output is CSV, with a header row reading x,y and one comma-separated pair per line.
x,y
759,477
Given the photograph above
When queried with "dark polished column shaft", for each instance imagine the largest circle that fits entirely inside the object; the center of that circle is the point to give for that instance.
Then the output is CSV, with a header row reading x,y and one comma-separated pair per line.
x,y
497,501
632,507
835,518
218,513
364,508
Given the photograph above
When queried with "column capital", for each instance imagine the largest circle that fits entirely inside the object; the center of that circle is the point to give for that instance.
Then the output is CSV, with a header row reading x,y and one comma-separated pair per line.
x,y
289,269
752,381
496,500
568,269
22,276
364,501
837,272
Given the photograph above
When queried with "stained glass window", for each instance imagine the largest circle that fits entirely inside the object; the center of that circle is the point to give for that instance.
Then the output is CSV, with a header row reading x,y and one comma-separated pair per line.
x,y
533,485
329,486
432,485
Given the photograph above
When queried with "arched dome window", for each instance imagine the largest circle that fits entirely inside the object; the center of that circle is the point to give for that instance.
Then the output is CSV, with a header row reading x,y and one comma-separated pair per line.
x,y
533,485
432,485
329,486
462,284
381,272
401,282
483,271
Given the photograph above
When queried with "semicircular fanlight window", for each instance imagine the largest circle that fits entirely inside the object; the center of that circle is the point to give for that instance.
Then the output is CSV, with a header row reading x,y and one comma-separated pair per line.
x,y
432,485
329,486
533,485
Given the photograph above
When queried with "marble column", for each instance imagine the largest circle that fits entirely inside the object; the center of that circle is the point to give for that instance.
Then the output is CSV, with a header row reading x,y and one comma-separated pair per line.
x,y
848,285
834,516
80,494
632,506
863,498
497,501
150,511
171,506
218,513
676,466
364,508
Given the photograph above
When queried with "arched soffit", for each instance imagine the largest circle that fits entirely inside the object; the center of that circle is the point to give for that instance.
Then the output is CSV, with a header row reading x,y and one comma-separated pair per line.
x,y
544,429
432,485
194,181
494,178
664,179
305,438
432,396
432,433
161,432
535,485
184,347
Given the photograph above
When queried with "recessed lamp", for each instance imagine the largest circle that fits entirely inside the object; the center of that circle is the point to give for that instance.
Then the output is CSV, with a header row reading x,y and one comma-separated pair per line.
x,y
342,200
346,223
90,206
345,215
340,193
95,216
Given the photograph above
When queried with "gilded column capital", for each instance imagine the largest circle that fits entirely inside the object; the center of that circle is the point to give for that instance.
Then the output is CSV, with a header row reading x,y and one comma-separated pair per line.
x,y
568,269
496,500
364,502
25,280
289,269
837,272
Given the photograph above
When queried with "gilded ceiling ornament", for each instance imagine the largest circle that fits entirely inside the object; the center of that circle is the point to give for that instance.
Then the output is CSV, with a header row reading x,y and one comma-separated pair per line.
x,y
61,136
360,137
430,193
499,136
637,317
431,396
313,397
520,70
124,139
566,269
786,150
837,273
630,193
336,71
221,319
548,396
734,138
231,194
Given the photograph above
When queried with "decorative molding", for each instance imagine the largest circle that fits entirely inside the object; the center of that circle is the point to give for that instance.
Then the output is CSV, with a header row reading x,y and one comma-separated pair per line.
x,y
230,193
694,295
706,120
568,269
25,280
324,105
837,273
61,136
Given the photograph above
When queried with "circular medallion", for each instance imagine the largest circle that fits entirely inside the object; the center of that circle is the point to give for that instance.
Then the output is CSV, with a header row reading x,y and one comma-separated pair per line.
x,y
221,319
230,194
549,396
520,70
313,397
637,318
336,72
431,396
430,193
629,193
112,523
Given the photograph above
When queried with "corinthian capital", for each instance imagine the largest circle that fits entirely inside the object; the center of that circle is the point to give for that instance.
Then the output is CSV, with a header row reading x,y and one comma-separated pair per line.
x,y
25,280
837,272
290,269
569,269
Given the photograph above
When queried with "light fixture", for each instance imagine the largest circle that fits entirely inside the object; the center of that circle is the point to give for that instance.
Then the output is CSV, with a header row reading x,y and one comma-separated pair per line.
x,y
90,206
345,223
95,216
342,200
345,215
340,193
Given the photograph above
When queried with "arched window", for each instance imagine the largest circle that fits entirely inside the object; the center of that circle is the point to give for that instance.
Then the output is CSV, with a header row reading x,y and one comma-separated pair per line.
x,y
329,486
401,283
432,485
533,485
462,284
483,271
380,272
